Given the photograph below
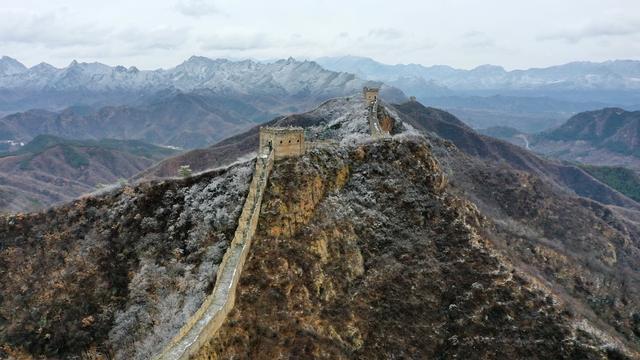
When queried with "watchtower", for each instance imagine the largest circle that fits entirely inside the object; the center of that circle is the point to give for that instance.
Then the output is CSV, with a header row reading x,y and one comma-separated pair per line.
x,y
370,94
285,141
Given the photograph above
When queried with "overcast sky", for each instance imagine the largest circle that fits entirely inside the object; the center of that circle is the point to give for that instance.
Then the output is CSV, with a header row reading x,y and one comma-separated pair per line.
x,y
461,33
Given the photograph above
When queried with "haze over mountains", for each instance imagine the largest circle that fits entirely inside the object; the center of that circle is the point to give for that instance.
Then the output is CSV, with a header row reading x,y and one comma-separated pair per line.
x,y
204,101
611,75
529,100
194,104
172,117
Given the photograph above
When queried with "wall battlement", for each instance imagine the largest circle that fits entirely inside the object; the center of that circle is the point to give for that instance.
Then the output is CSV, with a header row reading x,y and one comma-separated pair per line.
x,y
370,94
284,141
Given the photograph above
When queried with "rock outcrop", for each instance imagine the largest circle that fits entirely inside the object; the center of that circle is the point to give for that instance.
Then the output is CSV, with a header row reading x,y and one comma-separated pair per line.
x,y
364,253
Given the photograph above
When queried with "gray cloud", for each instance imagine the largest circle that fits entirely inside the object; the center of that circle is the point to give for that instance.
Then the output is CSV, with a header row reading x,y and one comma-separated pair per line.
x,y
240,42
196,8
477,39
52,31
48,29
461,33
613,28
385,34
154,38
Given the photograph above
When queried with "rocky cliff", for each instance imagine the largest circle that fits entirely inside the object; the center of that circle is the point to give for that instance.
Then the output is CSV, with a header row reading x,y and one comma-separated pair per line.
x,y
366,253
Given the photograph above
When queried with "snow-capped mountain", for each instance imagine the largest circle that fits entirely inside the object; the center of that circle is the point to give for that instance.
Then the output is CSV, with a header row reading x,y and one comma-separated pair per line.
x,y
191,105
281,78
98,84
9,66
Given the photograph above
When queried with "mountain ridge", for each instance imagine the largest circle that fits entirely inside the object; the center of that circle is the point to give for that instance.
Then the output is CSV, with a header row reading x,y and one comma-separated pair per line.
x,y
433,241
50,170
65,86
580,74
604,137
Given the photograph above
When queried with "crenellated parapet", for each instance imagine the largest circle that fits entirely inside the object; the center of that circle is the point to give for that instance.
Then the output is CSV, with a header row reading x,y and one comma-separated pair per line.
x,y
370,94
284,141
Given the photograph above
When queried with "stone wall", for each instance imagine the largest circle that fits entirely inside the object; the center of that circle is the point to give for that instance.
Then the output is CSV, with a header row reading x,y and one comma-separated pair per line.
x,y
214,310
374,125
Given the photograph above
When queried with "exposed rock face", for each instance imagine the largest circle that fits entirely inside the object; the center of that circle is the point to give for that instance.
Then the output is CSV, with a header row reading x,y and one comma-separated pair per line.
x,y
364,253
118,274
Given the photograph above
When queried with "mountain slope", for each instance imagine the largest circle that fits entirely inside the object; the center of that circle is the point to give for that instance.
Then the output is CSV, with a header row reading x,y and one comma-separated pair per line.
x,y
565,176
529,100
604,137
344,117
406,247
118,273
50,170
363,253
173,118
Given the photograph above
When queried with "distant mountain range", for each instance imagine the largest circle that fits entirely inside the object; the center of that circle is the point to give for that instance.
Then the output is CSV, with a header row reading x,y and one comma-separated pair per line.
x,y
529,100
44,86
171,117
50,169
611,75
605,137
194,104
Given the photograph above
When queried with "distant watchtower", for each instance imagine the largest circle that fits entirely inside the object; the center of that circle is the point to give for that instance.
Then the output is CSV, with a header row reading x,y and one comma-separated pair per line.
x,y
370,94
285,142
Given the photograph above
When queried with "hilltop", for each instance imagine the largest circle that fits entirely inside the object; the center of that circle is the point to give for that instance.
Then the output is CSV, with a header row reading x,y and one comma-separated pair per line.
x,y
609,136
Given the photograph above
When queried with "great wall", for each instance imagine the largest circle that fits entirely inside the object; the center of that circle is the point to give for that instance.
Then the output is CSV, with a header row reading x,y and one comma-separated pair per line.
x,y
275,143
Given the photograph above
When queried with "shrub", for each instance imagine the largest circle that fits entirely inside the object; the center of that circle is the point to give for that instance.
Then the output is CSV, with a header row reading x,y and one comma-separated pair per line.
x,y
185,171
